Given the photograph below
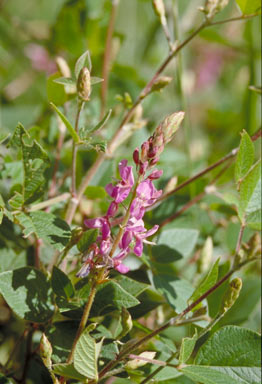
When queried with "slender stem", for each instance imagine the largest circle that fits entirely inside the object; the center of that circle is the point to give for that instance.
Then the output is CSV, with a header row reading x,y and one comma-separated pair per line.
x,y
74,201
238,18
15,348
38,243
83,321
107,55
172,322
27,354
74,155
62,130
47,203
240,237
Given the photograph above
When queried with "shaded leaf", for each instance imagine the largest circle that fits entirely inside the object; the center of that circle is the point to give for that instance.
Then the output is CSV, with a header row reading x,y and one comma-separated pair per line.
x,y
68,371
87,239
61,284
28,292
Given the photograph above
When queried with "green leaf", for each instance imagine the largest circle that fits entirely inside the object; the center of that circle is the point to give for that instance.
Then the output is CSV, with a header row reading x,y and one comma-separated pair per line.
x,y
110,296
101,123
68,371
47,226
230,355
250,192
87,239
35,162
55,93
96,80
81,62
173,244
245,156
68,125
93,192
231,346
187,347
222,375
61,284
28,292
208,281
176,291
65,81
85,356
249,6
10,260
131,286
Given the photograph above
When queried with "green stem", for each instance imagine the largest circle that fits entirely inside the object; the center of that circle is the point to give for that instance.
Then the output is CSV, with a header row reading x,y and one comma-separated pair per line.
x,y
83,321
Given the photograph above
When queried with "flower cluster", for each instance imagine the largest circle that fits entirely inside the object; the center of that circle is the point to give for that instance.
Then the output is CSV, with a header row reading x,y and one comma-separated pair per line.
x,y
108,252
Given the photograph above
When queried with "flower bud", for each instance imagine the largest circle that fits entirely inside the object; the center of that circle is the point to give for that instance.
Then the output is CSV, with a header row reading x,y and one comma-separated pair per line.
x,y
136,156
159,8
171,124
161,83
214,6
143,168
231,295
63,66
155,174
45,351
205,256
84,84
144,150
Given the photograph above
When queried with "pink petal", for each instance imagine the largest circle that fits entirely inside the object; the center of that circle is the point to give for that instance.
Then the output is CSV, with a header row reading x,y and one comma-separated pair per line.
x,y
126,239
112,209
138,248
155,174
94,223
122,268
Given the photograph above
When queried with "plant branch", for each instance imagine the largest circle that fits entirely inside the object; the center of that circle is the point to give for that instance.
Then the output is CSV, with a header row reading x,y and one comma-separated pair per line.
x,y
73,187
238,18
229,156
172,322
107,54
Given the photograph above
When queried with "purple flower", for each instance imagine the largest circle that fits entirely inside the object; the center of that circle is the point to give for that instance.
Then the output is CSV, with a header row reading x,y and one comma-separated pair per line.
x,y
121,190
135,230
146,195
101,223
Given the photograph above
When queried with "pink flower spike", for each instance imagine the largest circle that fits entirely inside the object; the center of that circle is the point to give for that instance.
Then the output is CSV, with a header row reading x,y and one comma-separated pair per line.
x,y
155,174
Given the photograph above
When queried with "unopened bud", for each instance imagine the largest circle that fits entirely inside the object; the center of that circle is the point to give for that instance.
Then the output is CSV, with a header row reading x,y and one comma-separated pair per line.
x,y
155,174
154,161
161,83
143,168
45,350
126,322
144,150
205,256
212,7
63,66
239,258
254,246
171,124
136,156
231,294
159,8
84,84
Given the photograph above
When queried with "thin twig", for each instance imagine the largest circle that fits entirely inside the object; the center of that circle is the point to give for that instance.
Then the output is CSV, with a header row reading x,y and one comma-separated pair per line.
x,y
107,56
74,155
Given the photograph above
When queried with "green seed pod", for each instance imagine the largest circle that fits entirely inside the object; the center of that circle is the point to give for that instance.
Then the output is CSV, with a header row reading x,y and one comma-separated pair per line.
x,y
84,84
231,295
46,351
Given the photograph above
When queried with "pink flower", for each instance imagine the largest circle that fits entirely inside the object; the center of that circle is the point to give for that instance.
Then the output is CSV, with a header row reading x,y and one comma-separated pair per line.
x,y
121,190
135,230
146,195
101,223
